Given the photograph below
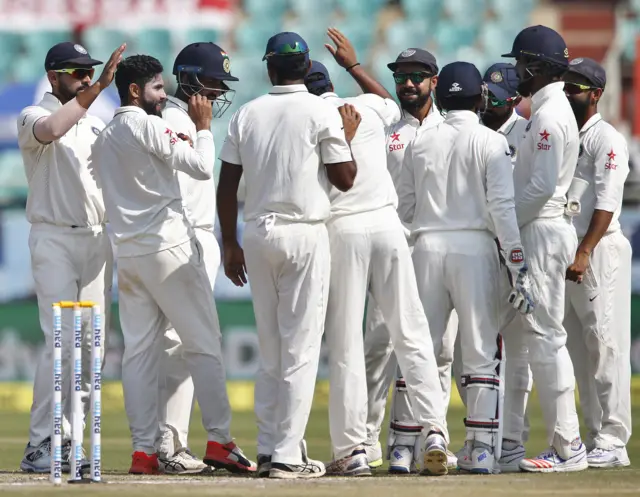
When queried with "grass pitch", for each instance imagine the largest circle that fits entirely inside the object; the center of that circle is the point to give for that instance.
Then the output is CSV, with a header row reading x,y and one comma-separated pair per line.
x,y
117,457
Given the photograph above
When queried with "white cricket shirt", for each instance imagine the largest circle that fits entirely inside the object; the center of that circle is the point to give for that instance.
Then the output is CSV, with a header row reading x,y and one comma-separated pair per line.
x,y
514,131
282,141
401,134
457,176
603,161
547,157
373,188
137,158
62,186
198,196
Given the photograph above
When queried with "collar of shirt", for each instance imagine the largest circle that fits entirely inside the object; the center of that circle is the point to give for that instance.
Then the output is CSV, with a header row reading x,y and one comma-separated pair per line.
x,y
279,90
129,108
50,102
329,94
411,120
455,117
542,96
506,128
179,103
595,119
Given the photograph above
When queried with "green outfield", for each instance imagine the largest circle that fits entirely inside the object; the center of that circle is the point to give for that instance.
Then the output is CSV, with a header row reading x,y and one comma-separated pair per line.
x,y
117,449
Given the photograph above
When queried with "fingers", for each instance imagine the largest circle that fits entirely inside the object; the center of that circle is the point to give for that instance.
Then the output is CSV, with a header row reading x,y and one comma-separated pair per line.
x,y
236,274
116,56
331,48
334,34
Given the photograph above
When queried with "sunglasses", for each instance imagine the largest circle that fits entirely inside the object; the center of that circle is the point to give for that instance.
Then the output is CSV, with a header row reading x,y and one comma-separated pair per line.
x,y
500,103
575,88
416,77
77,73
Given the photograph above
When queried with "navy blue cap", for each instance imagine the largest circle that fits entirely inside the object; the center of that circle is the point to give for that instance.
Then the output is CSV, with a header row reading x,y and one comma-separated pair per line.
x,y
415,56
67,54
459,79
318,76
502,80
542,43
204,59
589,69
285,44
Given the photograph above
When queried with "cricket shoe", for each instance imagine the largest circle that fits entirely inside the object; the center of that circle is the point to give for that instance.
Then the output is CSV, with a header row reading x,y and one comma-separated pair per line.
x,y
355,464
434,457
37,459
401,460
183,462
479,459
550,462
452,460
229,457
144,464
511,455
374,455
308,469
603,458
264,465
85,465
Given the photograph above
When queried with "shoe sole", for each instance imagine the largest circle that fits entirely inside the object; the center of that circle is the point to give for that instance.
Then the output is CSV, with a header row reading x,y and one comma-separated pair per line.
x,y
558,469
435,463
292,475
399,470
229,466
616,464
376,464
31,469
168,471
144,472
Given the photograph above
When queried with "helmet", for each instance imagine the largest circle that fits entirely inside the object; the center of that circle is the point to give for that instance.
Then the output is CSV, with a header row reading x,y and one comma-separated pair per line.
x,y
540,43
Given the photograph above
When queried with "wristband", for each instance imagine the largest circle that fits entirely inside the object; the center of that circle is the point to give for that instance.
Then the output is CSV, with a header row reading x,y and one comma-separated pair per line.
x,y
351,67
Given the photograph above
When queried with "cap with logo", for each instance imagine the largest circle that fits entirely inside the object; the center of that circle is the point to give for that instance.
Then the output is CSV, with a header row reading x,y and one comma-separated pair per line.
x,y
287,44
542,43
459,80
204,59
589,69
317,77
502,80
68,54
415,56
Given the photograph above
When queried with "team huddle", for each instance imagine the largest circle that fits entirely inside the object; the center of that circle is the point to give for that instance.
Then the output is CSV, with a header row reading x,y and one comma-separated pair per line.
x,y
476,244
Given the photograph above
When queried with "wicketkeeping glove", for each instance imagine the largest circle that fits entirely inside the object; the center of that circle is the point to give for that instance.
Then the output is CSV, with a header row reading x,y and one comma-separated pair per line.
x,y
520,297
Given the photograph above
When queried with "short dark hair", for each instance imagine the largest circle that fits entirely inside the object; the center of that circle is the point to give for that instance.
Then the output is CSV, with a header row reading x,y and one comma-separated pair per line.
x,y
289,67
138,69
459,103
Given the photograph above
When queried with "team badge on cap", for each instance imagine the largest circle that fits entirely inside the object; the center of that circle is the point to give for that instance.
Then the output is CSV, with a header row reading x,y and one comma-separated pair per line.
x,y
496,77
408,53
566,53
455,87
80,49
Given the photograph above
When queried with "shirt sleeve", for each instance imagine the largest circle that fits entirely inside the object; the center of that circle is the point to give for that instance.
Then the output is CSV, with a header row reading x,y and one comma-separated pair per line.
x,y
230,149
333,144
386,108
611,169
26,122
159,139
407,188
545,168
500,201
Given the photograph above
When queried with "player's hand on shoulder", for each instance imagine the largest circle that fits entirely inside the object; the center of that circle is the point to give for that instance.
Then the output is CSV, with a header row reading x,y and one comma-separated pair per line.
x,y
234,266
185,138
521,297
350,120
200,112
343,52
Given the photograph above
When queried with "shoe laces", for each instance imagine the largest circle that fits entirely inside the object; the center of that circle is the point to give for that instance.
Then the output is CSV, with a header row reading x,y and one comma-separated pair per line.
x,y
550,453
187,454
598,452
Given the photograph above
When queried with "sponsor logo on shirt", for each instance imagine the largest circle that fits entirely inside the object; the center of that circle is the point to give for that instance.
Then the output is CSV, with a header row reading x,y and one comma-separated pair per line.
x,y
173,139
395,137
610,164
544,136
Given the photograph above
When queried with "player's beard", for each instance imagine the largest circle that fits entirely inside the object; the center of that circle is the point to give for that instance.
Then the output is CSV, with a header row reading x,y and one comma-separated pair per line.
x,y
66,94
580,108
524,88
494,120
152,107
417,103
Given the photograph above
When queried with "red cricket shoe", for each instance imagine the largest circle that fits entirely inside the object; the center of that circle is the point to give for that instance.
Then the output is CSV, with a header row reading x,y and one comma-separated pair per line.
x,y
144,464
229,457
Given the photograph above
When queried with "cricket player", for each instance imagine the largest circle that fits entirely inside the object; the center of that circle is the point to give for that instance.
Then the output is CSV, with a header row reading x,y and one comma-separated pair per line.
x,y
369,250
598,314
161,273
71,257
544,169
500,115
457,192
292,146
200,69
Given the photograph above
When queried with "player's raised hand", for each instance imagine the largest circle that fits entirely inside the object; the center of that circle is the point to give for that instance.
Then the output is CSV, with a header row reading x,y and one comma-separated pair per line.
x,y
350,120
343,52
234,266
200,112
109,71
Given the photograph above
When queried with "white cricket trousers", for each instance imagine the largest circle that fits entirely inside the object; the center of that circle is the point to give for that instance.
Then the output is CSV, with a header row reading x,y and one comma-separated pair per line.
x,y
67,264
176,385
598,323
370,250
289,266
170,286
549,247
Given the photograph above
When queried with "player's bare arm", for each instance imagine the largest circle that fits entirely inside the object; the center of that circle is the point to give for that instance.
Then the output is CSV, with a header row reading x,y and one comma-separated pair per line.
x,y
200,112
343,174
227,199
86,97
598,226
345,56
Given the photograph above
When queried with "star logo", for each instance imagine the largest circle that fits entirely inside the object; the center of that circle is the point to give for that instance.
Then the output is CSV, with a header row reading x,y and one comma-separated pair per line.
x,y
544,135
611,156
395,137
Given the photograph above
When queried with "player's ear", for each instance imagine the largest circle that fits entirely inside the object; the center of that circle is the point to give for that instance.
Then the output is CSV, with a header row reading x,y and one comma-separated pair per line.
x,y
434,82
596,95
134,91
52,77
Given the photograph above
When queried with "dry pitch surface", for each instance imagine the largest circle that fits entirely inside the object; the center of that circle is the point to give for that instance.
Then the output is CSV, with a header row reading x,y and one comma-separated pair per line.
x,y
117,450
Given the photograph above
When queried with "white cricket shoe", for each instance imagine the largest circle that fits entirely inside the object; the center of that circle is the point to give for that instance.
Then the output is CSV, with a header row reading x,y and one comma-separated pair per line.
x,y
355,464
183,462
308,469
479,459
452,460
512,454
602,458
264,465
401,460
374,455
550,462
37,459
434,457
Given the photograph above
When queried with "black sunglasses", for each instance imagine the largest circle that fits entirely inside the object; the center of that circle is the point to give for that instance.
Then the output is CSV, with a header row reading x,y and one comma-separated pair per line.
x,y
416,77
